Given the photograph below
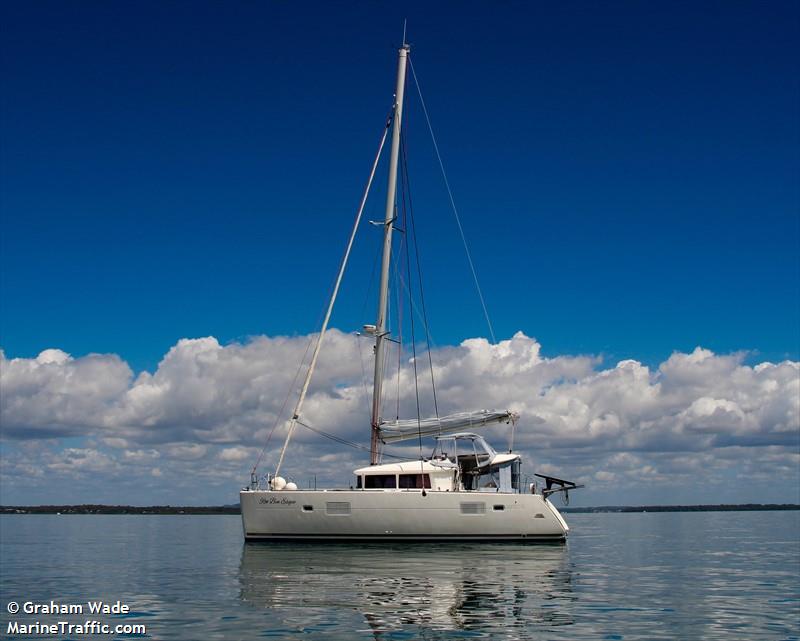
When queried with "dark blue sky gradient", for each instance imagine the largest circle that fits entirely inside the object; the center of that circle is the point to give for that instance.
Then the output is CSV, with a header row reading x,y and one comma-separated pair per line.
x,y
627,173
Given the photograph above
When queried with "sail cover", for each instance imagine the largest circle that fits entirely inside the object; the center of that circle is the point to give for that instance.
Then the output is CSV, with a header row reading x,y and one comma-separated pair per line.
x,y
393,431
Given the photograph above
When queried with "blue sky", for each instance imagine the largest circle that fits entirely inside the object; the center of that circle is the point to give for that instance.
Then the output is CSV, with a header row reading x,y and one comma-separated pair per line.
x,y
626,172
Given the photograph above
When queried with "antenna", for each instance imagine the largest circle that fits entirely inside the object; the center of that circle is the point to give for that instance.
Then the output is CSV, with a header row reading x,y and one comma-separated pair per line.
x,y
405,22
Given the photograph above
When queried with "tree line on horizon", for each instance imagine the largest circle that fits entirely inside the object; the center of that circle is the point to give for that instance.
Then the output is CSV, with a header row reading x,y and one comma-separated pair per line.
x,y
234,509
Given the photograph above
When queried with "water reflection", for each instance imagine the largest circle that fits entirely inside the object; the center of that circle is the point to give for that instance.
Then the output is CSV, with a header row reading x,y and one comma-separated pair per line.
x,y
719,576
412,588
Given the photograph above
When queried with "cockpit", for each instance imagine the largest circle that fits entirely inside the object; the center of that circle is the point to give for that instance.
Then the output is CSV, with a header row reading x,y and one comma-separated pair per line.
x,y
480,467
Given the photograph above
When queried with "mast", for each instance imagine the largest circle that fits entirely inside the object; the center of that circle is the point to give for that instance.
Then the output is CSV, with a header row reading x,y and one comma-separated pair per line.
x,y
383,300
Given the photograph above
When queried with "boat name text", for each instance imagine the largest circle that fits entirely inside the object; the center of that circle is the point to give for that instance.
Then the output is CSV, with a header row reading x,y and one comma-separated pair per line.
x,y
273,500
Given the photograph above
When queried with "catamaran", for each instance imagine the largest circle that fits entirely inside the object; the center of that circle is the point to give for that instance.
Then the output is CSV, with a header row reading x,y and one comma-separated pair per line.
x,y
464,491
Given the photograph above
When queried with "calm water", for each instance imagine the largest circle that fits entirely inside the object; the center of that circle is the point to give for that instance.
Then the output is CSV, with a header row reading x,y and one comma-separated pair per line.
x,y
717,575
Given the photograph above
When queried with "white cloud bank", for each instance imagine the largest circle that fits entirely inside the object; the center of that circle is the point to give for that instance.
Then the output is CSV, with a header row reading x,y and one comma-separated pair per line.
x,y
698,420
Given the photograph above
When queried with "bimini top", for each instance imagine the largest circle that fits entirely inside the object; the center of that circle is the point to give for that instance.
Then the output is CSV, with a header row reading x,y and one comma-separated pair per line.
x,y
465,445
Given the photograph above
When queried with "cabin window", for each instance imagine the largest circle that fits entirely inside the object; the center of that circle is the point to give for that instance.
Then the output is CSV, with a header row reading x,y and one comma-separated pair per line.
x,y
515,476
380,481
489,480
473,508
415,481
358,482
308,508
499,508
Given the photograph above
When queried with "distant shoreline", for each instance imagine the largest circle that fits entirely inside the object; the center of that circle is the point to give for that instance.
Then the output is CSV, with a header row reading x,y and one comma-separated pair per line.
x,y
234,509
118,509
743,507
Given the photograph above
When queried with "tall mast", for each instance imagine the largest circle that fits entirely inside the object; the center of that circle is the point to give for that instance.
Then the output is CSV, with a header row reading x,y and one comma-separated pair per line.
x,y
380,325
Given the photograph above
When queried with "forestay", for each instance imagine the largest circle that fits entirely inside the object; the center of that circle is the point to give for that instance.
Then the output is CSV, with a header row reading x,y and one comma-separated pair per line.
x,y
401,430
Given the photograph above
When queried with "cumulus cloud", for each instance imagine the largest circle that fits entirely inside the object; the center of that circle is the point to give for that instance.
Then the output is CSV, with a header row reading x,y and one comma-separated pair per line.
x,y
208,408
57,395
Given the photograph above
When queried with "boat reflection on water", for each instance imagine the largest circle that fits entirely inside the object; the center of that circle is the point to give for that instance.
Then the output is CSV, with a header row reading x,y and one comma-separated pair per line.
x,y
387,589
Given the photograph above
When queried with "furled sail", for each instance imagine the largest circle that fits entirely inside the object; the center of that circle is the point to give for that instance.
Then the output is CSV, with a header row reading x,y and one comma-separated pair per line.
x,y
393,431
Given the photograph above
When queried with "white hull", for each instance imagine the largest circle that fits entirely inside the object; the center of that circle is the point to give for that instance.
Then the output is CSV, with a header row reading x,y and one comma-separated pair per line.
x,y
399,515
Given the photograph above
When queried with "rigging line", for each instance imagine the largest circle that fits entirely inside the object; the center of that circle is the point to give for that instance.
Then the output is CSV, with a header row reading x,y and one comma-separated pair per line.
x,y
408,215
399,350
315,354
363,309
285,401
384,391
343,441
413,337
452,202
333,437
407,185
398,277
398,294
414,308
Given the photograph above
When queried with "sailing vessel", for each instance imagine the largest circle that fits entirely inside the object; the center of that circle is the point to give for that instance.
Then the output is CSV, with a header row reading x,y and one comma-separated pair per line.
x,y
464,491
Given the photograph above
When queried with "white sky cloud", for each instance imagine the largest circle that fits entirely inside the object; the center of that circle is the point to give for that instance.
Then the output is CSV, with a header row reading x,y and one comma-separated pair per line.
x,y
698,420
